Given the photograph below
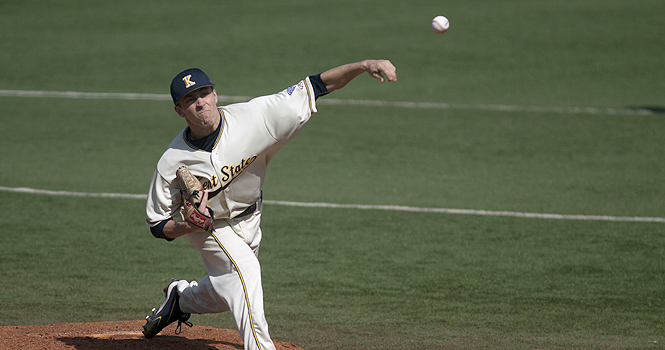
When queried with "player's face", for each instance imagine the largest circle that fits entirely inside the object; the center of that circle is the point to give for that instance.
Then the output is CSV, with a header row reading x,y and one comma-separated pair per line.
x,y
199,108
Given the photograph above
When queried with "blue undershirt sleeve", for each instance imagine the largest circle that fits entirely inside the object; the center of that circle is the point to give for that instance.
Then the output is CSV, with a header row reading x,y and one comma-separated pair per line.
x,y
158,230
318,85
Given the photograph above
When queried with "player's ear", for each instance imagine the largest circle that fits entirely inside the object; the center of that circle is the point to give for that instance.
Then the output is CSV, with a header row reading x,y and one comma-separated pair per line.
x,y
179,110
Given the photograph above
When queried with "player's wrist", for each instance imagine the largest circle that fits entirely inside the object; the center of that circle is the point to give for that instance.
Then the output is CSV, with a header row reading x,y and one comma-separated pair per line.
x,y
365,65
175,229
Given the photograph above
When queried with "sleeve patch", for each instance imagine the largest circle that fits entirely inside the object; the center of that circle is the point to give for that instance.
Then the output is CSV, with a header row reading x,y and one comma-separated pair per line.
x,y
292,88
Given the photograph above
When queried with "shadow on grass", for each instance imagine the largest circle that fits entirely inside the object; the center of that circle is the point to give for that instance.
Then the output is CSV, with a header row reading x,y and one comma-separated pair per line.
x,y
652,109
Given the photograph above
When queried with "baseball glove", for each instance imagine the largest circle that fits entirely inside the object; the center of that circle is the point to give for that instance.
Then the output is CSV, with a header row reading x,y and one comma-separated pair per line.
x,y
192,195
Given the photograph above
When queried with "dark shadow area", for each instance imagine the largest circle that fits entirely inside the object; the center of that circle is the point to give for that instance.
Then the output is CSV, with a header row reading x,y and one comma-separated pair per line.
x,y
159,342
652,109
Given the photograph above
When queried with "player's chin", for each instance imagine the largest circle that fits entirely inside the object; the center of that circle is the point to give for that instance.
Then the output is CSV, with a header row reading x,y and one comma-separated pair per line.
x,y
206,120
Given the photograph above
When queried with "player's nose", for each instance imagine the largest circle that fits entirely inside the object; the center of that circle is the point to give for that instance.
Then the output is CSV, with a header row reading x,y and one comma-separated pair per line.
x,y
200,102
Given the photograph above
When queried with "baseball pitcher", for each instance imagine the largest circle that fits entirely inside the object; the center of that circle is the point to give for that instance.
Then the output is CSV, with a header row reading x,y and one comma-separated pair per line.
x,y
207,187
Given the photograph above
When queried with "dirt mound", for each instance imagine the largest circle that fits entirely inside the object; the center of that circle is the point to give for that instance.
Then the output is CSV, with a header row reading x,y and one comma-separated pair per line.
x,y
120,335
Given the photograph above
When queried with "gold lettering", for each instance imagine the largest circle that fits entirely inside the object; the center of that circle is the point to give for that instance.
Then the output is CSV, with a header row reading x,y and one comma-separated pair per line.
x,y
230,172
188,81
209,185
226,176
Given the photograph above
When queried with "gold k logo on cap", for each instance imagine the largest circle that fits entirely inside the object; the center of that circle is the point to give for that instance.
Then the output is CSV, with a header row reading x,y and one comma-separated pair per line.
x,y
188,81
192,78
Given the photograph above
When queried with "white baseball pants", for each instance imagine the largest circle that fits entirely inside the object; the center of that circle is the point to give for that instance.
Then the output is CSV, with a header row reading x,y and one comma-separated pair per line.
x,y
233,282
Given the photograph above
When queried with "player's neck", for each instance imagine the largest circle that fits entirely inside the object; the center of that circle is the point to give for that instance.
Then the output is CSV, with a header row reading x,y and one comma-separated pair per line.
x,y
196,134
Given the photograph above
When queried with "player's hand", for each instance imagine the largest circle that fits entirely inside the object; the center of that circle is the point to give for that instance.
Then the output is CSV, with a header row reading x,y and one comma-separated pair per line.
x,y
203,207
382,70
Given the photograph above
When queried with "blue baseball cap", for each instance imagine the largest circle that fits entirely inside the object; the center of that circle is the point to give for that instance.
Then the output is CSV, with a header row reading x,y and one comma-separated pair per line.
x,y
188,81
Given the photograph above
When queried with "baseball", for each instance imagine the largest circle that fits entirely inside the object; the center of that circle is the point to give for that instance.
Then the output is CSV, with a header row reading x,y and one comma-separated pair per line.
x,y
440,24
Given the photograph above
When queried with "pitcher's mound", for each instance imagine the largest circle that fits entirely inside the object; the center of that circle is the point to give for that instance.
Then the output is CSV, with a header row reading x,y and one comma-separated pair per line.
x,y
120,335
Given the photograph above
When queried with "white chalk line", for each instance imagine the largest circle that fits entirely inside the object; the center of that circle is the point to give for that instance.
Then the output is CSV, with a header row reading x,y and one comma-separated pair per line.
x,y
332,101
370,207
106,95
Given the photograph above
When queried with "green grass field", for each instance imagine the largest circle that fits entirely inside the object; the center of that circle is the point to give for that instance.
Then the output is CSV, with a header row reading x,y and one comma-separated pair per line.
x,y
541,118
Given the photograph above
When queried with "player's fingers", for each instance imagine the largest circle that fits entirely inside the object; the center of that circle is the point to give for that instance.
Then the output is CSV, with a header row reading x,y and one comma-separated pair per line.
x,y
379,76
391,75
389,70
382,70
375,72
204,202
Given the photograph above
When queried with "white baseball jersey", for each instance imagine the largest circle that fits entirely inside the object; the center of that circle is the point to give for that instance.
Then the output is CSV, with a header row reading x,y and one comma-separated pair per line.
x,y
233,173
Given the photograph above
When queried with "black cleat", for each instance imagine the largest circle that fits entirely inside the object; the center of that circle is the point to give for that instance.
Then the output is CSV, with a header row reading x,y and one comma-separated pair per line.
x,y
168,313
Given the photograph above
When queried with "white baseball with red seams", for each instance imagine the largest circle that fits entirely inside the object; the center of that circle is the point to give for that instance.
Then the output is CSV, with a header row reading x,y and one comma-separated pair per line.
x,y
440,24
